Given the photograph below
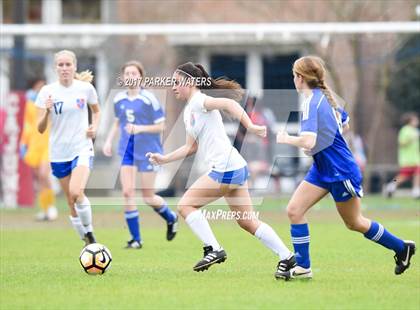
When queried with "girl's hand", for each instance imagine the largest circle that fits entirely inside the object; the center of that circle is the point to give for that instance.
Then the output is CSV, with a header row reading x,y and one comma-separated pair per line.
x,y
132,129
91,132
307,152
282,137
107,149
49,103
258,130
156,158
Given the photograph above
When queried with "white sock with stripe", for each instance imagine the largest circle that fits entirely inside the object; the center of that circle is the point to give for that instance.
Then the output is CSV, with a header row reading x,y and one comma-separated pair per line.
x,y
84,211
201,228
271,240
77,225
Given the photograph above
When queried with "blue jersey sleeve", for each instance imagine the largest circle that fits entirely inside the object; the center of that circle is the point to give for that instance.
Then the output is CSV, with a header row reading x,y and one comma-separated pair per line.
x,y
309,121
156,113
345,118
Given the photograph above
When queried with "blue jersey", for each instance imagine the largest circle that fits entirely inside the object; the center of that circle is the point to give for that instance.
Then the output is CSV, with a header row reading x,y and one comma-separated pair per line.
x,y
333,160
144,109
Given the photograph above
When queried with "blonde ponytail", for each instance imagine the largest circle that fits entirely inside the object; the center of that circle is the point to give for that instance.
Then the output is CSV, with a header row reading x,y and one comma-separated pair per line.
x,y
84,76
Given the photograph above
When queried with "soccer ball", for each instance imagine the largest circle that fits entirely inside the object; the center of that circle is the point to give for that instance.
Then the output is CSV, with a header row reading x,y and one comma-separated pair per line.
x,y
95,258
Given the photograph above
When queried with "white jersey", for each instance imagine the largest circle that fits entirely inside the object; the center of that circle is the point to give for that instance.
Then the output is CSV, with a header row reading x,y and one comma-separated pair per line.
x,y
69,118
207,129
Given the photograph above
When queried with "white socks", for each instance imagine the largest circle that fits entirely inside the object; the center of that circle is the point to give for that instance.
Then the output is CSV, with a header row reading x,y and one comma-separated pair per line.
x,y
84,211
201,228
77,225
271,240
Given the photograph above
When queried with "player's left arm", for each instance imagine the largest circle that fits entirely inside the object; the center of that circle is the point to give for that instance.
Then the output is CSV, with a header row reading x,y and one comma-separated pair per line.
x,y
96,115
234,109
155,114
92,101
136,129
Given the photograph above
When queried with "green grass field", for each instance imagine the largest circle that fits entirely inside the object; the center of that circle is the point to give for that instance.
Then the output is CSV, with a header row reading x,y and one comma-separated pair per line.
x,y
40,268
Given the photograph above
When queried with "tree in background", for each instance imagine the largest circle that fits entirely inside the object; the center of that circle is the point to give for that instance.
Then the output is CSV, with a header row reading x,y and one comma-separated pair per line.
x,y
403,91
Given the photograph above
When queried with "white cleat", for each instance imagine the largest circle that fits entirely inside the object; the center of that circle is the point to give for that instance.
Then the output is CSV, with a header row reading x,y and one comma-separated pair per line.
x,y
300,273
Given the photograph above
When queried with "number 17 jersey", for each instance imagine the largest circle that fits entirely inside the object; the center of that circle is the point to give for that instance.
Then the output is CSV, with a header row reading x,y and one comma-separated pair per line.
x,y
69,119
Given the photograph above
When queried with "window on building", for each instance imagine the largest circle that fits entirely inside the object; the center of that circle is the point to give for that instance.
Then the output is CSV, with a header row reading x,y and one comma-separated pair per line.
x,y
281,98
231,66
32,9
81,11
279,90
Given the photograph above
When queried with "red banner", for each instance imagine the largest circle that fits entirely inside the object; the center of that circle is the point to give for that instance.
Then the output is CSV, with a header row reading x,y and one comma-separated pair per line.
x,y
16,176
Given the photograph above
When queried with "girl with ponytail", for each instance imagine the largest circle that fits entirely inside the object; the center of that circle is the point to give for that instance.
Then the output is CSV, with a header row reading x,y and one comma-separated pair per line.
x,y
65,104
334,171
228,170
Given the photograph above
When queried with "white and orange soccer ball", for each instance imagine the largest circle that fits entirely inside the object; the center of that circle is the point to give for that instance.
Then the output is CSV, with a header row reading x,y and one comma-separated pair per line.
x,y
95,258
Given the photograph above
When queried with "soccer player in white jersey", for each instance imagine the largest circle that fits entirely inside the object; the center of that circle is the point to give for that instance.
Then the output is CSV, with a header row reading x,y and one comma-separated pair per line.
x,y
228,175
140,120
65,104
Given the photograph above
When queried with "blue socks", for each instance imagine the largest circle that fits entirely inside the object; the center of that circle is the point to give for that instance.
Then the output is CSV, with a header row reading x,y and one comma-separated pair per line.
x,y
376,233
166,213
300,240
132,219
379,234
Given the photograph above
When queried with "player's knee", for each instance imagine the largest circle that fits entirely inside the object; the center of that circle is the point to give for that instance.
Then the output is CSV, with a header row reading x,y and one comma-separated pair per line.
x,y
74,195
294,213
355,225
128,193
148,200
181,208
248,225
184,209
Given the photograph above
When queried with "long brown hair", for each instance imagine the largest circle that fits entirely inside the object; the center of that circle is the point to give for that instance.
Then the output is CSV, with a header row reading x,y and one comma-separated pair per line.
x,y
312,69
136,64
229,88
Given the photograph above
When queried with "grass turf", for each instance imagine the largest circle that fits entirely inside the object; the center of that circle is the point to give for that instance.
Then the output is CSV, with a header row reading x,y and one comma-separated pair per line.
x,y
39,266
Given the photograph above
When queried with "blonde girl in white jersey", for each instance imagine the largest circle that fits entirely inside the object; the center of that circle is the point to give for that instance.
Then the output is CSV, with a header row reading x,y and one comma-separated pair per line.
x,y
65,104
228,175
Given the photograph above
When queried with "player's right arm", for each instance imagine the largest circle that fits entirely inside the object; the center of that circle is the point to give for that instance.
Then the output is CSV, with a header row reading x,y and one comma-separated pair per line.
x,y
43,114
235,110
190,147
107,149
309,129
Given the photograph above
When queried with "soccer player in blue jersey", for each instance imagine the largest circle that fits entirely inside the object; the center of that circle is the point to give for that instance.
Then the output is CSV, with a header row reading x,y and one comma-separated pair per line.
x,y
334,171
140,119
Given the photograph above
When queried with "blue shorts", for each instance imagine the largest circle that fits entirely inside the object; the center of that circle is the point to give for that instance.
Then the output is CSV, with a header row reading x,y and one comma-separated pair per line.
x,y
341,190
63,169
142,165
238,177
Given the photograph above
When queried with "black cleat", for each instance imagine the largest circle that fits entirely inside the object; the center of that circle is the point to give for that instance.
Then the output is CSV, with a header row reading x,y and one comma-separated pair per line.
x,y
402,260
172,230
210,257
89,238
284,266
134,244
